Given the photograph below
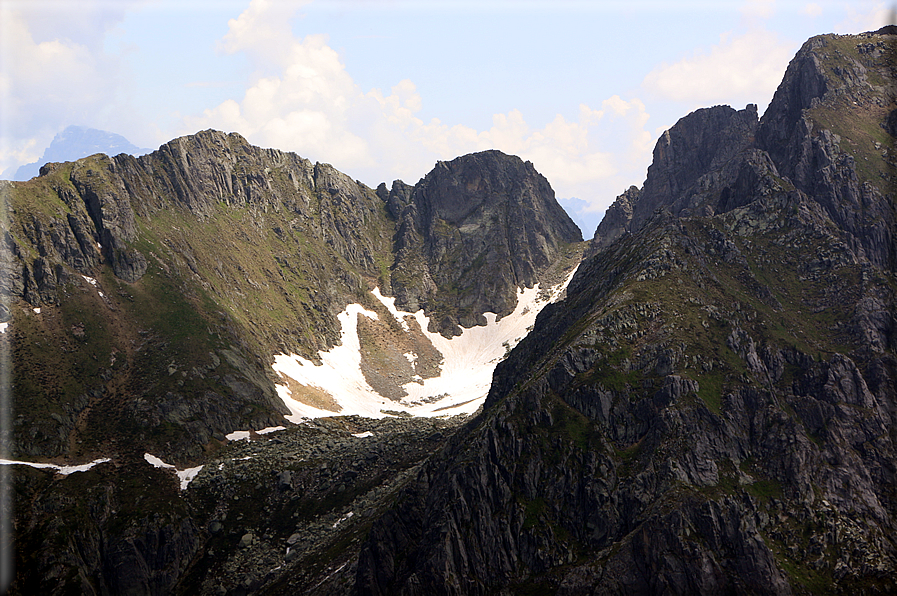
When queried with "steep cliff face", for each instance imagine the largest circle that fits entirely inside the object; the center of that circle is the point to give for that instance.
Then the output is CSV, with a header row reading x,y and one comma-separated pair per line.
x,y
712,408
827,131
693,161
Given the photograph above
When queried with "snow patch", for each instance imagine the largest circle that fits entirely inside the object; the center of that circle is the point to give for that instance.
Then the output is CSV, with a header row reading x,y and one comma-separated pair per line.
x,y
363,435
64,470
36,310
3,327
270,429
239,435
342,519
186,475
90,280
469,360
339,374
155,461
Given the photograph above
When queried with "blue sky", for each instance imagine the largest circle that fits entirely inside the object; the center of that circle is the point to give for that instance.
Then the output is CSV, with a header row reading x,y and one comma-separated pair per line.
x,y
384,89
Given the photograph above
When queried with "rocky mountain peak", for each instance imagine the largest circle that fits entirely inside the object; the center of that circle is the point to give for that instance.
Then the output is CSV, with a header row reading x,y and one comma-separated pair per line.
x,y
716,159
827,130
698,143
486,222
804,82
454,191
679,179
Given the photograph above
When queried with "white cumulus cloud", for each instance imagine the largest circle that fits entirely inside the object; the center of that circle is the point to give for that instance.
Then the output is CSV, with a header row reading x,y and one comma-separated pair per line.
x,y
762,9
812,9
866,16
745,68
302,99
53,72
303,107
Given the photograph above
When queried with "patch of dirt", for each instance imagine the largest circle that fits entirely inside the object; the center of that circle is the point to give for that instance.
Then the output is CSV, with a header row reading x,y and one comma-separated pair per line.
x,y
392,357
311,395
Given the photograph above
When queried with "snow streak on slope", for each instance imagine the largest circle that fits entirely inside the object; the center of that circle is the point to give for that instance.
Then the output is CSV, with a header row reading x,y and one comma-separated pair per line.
x,y
339,375
185,476
461,387
64,470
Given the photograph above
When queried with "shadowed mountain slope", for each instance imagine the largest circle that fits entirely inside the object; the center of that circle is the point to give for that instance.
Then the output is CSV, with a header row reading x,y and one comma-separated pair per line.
x,y
712,408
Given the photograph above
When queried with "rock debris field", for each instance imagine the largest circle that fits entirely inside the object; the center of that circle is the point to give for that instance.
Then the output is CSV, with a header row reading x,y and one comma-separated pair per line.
x,y
283,497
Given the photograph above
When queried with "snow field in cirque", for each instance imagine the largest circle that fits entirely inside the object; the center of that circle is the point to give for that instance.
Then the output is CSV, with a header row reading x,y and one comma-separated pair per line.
x,y
461,387
468,361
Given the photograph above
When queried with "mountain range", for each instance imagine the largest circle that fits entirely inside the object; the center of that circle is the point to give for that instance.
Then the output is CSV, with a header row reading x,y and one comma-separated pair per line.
x,y
271,375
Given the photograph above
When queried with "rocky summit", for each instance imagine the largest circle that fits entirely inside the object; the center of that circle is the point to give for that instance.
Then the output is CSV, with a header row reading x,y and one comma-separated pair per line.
x,y
709,406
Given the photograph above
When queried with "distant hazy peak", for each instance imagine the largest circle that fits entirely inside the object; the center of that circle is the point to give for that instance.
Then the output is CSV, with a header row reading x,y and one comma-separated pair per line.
x,y
76,142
